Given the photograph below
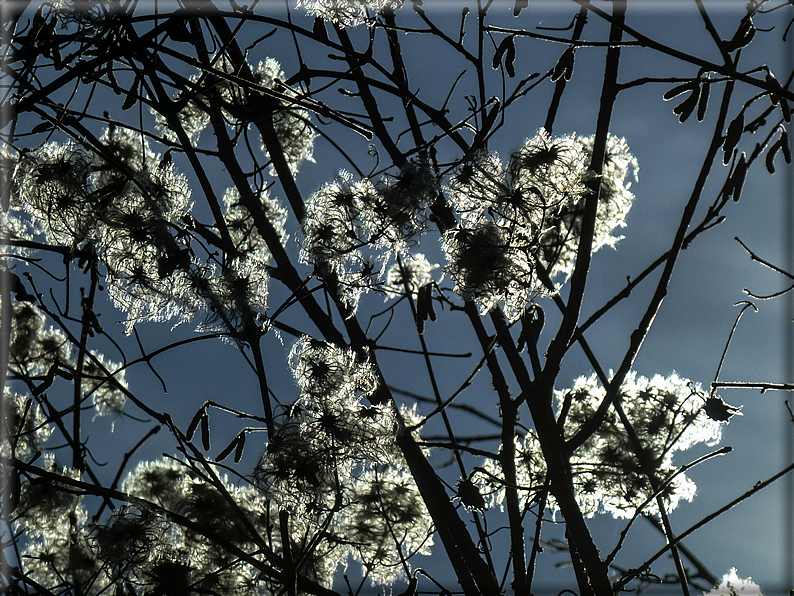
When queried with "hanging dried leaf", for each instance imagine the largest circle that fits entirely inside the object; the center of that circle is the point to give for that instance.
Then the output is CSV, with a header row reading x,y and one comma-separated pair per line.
x,y
470,496
191,429
42,127
718,410
679,89
770,156
531,326
785,146
743,36
132,96
507,49
318,28
685,108
238,451
564,67
510,58
732,136
424,307
205,432
774,83
226,450
178,30
737,180
236,445
112,79
703,101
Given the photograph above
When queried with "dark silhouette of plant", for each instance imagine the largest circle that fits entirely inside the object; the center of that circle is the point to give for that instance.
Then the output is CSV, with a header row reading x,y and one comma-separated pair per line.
x,y
152,162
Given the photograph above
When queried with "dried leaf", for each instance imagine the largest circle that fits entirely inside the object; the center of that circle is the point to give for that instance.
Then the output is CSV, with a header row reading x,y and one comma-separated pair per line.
x,y
179,30
774,83
132,96
424,307
737,180
703,101
564,67
236,445
718,410
191,429
469,495
112,78
770,156
238,452
510,57
743,36
732,136
43,127
685,108
532,322
507,45
318,28
205,432
679,89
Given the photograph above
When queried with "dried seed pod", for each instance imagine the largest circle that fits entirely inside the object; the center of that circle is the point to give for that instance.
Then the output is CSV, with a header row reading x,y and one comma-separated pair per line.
x,y
424,306
238,451
132,96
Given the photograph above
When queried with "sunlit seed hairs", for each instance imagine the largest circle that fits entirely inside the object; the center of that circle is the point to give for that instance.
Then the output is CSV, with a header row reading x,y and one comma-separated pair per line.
x,y
293,125
528,213
322,369
158,481
490,266
104,388
396,214
610,476
413,273
53,184
33,349
24,428
347,13
560,240
45,504
387,521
